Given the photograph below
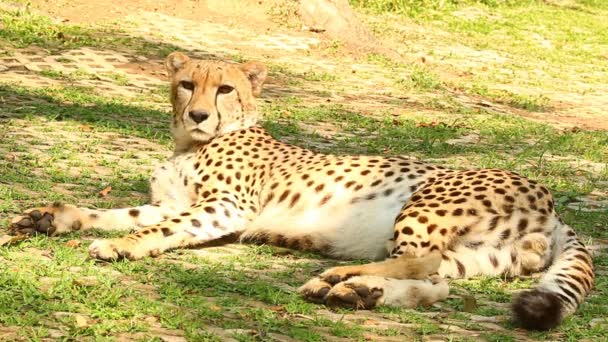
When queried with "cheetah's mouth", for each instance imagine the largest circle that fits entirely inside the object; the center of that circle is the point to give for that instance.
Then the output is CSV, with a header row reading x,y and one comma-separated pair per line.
x,y
200,135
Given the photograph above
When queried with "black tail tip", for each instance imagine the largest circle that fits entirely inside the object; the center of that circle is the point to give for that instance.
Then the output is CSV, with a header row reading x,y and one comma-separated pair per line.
x,y
538,310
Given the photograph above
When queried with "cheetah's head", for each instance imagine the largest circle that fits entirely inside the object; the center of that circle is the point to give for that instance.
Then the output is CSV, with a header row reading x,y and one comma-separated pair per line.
x,y
211,98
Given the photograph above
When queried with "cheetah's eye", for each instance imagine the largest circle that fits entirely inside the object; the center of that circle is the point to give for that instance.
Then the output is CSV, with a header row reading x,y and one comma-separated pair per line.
x,y
187,85
225,89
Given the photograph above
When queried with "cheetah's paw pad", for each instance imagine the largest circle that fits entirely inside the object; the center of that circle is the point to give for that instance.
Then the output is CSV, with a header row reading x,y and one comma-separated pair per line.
x,y
32,222
50,220
110,250
355,296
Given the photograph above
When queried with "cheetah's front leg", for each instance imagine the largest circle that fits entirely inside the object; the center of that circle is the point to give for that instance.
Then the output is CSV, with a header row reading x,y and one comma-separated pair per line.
x,y
208,220
62,218
57,218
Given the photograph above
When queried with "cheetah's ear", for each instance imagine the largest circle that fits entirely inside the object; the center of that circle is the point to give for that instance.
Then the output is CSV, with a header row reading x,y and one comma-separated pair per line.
x,y
175,61
256,73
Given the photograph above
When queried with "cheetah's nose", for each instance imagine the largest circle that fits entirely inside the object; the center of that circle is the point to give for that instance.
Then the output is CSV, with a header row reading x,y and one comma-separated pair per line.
x,y
198,116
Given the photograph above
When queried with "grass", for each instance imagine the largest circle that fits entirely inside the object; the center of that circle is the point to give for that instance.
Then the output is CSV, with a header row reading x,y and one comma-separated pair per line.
x,y
518,50
423,79
67,142
532,103
23,28
359,134
115,78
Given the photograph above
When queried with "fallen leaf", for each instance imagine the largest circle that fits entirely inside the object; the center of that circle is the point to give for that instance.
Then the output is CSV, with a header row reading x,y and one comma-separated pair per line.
x,y
151,319
601,322
370,322
465,139
85,128
573,130
73,243
484,103
9,239
277,308
86,281
280,251
316,30
369,337
427,124
105,192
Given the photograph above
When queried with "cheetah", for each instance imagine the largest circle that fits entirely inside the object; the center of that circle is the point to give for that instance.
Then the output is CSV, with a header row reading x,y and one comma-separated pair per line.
x,y
418,224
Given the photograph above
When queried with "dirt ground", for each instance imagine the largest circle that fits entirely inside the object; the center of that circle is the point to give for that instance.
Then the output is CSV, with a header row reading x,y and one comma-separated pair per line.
x,y
249,28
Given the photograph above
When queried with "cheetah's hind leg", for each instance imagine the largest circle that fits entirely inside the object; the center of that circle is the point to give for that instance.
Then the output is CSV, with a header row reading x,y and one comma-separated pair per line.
x,y
367,292
334,285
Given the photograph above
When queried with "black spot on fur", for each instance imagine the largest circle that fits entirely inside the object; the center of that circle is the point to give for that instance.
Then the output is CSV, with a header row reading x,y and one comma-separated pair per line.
x,y
537,310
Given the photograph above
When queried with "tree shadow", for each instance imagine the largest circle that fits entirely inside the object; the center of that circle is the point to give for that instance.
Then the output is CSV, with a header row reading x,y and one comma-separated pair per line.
x,y
23,29
355,133
35,34
82,105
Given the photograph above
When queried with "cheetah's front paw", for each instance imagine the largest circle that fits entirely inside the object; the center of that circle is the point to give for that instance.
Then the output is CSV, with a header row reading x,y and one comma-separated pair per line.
x,y
113,249
50,220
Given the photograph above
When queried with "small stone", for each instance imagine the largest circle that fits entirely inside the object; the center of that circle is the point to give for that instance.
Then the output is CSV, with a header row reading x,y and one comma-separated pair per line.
x,y
602,322
32,67
55,334
81,321
469,303
46,283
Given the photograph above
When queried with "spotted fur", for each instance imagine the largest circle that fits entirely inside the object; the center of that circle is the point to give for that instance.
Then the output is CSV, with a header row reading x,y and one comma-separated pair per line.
x,y
420,223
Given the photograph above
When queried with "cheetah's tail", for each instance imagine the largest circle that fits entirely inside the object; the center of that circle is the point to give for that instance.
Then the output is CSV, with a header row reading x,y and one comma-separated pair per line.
x,y
562,288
